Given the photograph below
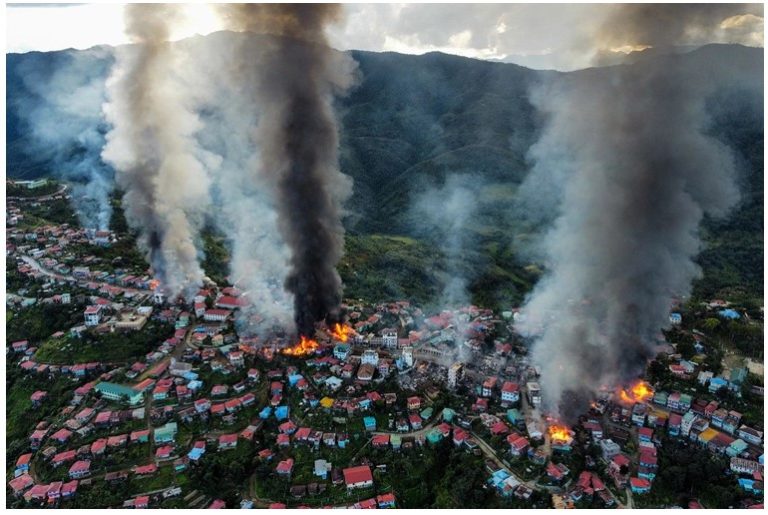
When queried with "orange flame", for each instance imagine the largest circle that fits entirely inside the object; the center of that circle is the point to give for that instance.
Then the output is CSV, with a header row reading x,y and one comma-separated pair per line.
x,y
153,284
639,392
341,332
559,433
304,347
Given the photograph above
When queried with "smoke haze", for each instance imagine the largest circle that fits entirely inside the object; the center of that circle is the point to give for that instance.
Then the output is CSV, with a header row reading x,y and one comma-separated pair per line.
x,y
66,125
153,149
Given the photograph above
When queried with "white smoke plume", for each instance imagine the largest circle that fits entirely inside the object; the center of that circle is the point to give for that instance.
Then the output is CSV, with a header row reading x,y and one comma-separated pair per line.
x,y
638,171
153,149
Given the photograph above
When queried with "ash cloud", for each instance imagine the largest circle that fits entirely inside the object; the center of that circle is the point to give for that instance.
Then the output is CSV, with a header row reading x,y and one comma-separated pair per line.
x,y
153,150
296,78
66,129
638,169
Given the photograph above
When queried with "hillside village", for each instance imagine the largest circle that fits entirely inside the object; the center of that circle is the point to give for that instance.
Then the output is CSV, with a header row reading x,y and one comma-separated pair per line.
x,y
135,402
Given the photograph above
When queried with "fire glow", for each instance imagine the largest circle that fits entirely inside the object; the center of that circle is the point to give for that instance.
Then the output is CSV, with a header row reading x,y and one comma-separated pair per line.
x,y
559,433
153,284
304,347
639,392
341,332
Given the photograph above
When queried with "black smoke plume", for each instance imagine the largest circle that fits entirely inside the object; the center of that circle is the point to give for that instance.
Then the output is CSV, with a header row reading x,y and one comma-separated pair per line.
x,y
297,136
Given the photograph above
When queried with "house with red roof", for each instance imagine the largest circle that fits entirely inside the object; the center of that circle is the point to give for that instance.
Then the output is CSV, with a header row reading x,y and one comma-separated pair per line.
x,y
117,441
556,472
228,441
218,409
499,428
287,427
145,470
460,436
80,469
415,420
518,444
386,500
164,452
63,457
639,485
22,463
21,483
140,436
62,435
283,440
226,302
285,467
20,346
358,477
98,447
54,491
510,392
69,489
414,403
141,502
36,493
84,415
380,441
38,397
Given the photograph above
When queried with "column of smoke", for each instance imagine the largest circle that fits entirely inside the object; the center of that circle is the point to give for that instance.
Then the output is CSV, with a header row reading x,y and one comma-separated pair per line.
x,y
153,151
297,77
66,128
641,172
442,214
244,211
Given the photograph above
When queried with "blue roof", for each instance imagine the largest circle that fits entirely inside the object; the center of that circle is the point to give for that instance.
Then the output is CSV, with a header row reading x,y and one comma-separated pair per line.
x,y
281,412
266,412
294,378
369,421
729,313
196,453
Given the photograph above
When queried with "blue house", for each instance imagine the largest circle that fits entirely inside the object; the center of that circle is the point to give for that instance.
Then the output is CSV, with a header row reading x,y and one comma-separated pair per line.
x,y
370,423
729,314
282,412
265,413
717,383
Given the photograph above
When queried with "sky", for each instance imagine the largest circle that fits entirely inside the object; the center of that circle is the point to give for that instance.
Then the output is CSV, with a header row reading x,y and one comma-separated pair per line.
x,y
555,36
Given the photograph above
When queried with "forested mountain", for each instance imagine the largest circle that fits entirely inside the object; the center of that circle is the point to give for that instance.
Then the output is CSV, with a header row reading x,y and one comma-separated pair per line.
x,y
415,124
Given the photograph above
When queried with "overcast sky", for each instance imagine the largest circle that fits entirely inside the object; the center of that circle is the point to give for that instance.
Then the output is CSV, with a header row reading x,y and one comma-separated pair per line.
x,y
539,35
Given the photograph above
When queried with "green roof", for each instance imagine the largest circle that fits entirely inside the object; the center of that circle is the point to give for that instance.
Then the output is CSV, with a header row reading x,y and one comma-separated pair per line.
x,y
116,389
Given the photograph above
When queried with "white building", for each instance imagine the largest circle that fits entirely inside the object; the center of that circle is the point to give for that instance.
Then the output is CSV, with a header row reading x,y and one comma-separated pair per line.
x,y
609,449
92,316
685,425
510,392
408,356
390,339
455,374
216,315
534,394
370,357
